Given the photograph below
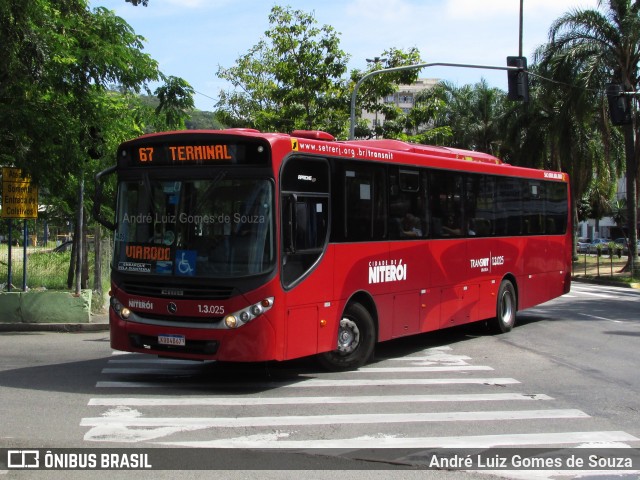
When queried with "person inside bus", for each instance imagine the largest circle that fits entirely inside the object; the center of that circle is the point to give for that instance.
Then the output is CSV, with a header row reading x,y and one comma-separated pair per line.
x,y
411,226
451,228
471,229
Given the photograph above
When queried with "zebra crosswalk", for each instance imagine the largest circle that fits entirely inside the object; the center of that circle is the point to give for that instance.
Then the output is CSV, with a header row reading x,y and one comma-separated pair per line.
x,y
384,406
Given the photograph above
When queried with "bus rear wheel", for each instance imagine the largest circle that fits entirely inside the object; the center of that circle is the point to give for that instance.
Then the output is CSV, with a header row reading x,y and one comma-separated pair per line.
x,y
506,307
356,340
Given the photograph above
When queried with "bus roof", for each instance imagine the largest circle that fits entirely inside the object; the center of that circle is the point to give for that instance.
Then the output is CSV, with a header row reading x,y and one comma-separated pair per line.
x,y
455,153
323,143
383,144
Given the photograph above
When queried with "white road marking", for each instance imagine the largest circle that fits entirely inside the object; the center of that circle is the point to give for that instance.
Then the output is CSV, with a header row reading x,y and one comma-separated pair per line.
x,y
158,361
593,316
471,441
164,369
363,418
123,423
319,383
446,368
243,401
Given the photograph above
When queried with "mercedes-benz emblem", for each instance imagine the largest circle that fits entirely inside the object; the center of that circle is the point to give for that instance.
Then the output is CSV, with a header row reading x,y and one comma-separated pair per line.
x,y
172,307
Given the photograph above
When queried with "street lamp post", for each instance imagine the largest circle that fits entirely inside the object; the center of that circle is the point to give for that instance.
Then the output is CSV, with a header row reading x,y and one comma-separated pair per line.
x,y
376,61
419,66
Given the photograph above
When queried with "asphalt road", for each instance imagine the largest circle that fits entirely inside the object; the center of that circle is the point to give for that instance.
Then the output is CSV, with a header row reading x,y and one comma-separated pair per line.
x,y
565,377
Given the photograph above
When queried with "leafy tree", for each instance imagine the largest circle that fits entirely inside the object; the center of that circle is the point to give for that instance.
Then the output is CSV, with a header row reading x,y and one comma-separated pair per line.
x,y
175,102
49,110
421,123
292,79
308,68
59,117
249,103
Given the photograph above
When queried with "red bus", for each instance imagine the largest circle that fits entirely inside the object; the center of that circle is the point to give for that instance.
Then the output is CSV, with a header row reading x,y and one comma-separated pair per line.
x,y
242,246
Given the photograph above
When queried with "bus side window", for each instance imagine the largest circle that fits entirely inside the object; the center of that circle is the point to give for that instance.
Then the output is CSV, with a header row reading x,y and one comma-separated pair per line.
x,y
509,206
364,203
445,200
534,211
305,225
407,204
556,208
480,205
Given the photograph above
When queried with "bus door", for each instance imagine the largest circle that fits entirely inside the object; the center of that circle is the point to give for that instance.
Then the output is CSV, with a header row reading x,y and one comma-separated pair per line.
x,y
305,275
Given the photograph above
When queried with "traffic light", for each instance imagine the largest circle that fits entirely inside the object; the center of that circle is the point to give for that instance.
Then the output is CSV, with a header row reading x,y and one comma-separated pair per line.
x,y
93,142
518,79
619,105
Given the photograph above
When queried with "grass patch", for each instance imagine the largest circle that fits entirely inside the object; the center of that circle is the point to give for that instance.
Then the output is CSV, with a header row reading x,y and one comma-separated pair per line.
x,y
48,270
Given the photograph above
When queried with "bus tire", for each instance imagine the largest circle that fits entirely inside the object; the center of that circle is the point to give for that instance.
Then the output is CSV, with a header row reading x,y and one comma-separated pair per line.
x,y
356,340
506,307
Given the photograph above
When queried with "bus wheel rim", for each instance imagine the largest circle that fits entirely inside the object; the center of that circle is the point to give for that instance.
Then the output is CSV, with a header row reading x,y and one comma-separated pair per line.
x,y
348,336
506,308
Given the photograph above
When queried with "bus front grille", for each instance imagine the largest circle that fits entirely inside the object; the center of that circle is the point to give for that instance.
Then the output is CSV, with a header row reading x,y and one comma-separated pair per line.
x,y
186,292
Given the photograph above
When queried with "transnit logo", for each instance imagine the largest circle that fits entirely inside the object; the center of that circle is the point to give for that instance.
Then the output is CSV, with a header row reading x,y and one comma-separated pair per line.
x,y
485,263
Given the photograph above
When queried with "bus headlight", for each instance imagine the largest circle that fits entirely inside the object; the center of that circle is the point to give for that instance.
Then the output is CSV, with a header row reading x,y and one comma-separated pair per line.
x,y
241,317
230,321
122,311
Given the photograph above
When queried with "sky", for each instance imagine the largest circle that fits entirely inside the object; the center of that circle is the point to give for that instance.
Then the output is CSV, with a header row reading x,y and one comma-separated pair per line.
x,y
193,38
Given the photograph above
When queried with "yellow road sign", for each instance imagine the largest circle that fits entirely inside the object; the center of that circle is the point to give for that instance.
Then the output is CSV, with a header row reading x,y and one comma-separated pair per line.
x,y
19,195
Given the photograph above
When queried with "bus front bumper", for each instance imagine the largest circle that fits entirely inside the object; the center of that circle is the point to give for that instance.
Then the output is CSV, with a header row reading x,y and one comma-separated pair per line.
x,y
252,342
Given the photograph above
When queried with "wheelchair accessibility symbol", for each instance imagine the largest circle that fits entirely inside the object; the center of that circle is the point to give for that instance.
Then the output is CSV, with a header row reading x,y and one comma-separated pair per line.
x,y
185,263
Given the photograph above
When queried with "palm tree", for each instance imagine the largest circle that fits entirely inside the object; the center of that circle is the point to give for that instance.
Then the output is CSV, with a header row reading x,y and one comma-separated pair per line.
x,y
619,212
599,198
473,113
559,130
602,47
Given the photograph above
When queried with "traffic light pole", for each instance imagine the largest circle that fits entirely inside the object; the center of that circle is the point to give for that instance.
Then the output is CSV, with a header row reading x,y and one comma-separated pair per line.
x,y
420,66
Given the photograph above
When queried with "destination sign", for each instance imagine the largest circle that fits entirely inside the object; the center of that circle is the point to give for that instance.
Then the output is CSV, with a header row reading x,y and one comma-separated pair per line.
x,y
188,153
195,151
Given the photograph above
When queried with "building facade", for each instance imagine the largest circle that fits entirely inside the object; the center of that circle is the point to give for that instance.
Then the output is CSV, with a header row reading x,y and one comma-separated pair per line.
x,y
404,99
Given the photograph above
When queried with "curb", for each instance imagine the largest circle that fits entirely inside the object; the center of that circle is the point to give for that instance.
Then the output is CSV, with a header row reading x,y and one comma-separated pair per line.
x,y
605,281
98,323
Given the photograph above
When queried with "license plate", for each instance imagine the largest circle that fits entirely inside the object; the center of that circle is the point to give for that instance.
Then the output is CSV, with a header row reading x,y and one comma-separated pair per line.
x,y
176,340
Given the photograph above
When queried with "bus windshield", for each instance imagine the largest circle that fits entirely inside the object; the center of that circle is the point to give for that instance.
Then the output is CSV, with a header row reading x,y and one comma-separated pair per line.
x,y
216,227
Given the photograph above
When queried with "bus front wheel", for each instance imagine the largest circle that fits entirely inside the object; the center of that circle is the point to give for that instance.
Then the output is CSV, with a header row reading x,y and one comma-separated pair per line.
x,y
506,307
356,340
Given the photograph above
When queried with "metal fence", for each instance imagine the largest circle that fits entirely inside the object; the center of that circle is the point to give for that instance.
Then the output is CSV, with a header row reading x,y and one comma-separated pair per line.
x,y
47,265
603,265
